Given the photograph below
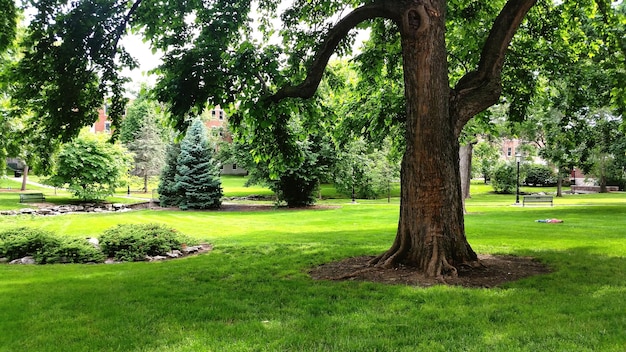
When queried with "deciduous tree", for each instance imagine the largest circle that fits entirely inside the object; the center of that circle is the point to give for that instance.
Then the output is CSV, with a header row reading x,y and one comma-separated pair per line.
x,y
91,167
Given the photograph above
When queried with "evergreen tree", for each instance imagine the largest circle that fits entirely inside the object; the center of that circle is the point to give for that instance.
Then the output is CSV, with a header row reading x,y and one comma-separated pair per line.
x,y
148,149
197,172
168,194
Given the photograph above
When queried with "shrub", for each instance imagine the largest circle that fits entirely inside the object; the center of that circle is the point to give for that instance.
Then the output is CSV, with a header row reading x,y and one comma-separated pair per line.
x,y
79,251
45,247
504,178
133,242
22,242
539,175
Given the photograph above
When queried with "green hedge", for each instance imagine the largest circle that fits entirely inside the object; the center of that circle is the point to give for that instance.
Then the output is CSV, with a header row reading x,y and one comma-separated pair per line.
x,y
122,242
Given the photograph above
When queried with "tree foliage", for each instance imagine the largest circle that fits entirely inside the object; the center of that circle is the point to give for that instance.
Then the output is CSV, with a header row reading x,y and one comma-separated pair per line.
x,y
91,167
8,23
365,170
148,151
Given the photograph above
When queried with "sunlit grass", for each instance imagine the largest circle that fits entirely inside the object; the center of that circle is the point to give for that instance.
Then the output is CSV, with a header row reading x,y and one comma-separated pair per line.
x,y
252,293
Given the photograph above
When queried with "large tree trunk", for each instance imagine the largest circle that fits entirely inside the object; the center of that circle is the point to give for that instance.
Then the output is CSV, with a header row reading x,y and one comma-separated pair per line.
x,y
431,233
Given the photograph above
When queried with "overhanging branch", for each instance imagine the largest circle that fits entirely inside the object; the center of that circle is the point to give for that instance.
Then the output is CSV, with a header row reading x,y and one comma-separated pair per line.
x,y
306,89
119,31
480,89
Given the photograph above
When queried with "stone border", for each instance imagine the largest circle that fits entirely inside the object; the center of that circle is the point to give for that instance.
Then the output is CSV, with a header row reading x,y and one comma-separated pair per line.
x,y
74,209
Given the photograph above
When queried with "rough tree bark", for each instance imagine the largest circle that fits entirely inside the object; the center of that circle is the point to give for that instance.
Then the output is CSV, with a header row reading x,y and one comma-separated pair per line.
x,y
431,231
431,234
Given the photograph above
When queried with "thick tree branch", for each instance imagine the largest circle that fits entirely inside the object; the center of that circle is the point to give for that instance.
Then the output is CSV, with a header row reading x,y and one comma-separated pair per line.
x,y
119,31
480,89
306,89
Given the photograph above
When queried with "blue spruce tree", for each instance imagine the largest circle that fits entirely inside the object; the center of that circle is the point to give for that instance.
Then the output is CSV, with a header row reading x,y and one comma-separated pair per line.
x,y
168,194
197,172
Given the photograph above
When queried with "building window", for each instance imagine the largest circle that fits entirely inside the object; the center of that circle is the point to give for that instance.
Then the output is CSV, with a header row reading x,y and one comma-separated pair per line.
x,y
212,113
221,115
234,166
107,126
509,152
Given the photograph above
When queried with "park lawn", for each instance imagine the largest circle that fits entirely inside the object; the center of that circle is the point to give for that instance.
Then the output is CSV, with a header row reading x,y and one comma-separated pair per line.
x,y
252,293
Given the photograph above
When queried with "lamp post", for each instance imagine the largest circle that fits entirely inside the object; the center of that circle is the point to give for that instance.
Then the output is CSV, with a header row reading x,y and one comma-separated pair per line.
x,y
353,194
518,158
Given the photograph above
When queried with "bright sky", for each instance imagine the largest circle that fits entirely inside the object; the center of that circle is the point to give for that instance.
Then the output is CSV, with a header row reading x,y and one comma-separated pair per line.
x,y
147,61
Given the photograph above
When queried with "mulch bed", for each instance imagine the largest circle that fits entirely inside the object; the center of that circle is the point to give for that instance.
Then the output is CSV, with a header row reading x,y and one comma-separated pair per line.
x,y
495,271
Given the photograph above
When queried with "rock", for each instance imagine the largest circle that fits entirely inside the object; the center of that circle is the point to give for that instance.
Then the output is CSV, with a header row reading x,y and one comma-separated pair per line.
x,y
157,258
174,254
190,249
94,242
111,261
4,260
25,260
44,211
27,211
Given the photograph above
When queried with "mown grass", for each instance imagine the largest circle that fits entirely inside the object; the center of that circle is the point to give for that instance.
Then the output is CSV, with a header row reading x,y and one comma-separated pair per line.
x,y
252,293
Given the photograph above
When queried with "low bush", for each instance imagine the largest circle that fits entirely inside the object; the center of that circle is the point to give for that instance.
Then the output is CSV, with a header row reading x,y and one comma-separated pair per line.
x,y
46,248
133,242
540,175
503,179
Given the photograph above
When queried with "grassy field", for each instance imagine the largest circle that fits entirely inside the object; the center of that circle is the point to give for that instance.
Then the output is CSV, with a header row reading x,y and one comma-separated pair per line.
x,y
252,293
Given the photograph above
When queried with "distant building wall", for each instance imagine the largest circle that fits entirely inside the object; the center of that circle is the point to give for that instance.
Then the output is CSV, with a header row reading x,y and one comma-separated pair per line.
x,y
102,125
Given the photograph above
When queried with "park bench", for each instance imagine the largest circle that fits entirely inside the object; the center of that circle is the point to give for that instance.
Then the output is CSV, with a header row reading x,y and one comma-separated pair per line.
x,y
31,197
538,199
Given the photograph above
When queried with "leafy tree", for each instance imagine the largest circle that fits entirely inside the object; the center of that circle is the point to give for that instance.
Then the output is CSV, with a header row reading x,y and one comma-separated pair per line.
x,y
148,151
504,179
364,171
295,184
169,195
211,55
485,157
605,142
197,172
137,112
8,23
91,167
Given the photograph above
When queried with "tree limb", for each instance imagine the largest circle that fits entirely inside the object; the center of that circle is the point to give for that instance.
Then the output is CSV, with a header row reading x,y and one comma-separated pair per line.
x,y
119,31
481,88
306,89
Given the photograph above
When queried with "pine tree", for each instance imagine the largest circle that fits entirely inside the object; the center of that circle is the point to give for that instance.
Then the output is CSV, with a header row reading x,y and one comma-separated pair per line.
x,y
148,149
197,172
168,194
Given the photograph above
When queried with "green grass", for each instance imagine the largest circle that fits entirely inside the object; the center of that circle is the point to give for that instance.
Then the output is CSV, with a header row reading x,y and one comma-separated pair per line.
x,y
252,293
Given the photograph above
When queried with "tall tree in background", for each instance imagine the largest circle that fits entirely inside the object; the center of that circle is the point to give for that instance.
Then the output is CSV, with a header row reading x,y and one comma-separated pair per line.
x,y
148,151
197,172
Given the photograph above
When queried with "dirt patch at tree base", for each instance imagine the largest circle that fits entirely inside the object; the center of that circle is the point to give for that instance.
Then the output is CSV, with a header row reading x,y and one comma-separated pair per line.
x,y
494,271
